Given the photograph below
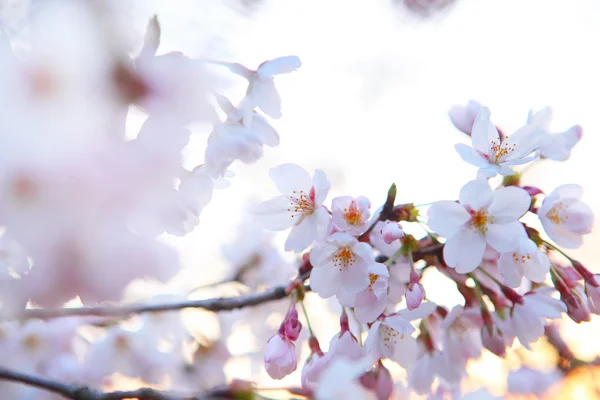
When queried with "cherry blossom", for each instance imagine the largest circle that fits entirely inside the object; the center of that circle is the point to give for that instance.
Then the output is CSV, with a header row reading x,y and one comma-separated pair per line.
x,y
299,207
525,261
461,341
555,146
261,91
345,345
565,218
351,215
312,370
593,295
341,265
481,216
493,155
280,357
528,319
369,303
390,337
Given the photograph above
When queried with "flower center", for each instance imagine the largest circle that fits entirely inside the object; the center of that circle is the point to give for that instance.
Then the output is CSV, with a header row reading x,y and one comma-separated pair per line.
x,y
344,258
352,214
302,203
502,150
479,220
523,258
557,214
372,279
390,336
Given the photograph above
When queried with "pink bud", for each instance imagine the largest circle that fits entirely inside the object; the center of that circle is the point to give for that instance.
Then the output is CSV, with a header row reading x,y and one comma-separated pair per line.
x,y
380,381
414,296
280,357
576,309
494,342
593,294
292,325
311,372
391,231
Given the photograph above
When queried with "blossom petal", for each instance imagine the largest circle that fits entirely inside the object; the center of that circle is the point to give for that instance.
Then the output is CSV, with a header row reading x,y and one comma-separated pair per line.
x,y
274,215
266,133
426,308
505,237
322,219
321,185
325,281
476,194
569,191
355,278
508,204
279,65
537,267
322,254
510,270
464,251
471,155
302,235
446,217
290,177
265,96
484,132
369,313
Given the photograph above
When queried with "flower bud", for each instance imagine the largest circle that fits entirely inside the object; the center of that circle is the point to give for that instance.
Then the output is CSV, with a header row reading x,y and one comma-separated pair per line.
x,y
391,232
311,372
414,296
593,294
380,381
280,357
576,309
493,341
532,190
292,325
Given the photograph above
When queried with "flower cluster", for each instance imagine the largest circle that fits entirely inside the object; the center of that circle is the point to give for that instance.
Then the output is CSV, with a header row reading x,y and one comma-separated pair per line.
x,y
84,205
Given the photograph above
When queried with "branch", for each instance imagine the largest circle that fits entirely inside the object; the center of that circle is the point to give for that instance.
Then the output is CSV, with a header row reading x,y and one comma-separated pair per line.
x,y
76,392
217,304
79,392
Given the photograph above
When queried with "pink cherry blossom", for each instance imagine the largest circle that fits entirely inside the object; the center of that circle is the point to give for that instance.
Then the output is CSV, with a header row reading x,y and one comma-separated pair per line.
x,y
565,218
369,303
555,146
493,155
340,264
461,338
391,232
280,357
525,261
299,207
481,216
351,215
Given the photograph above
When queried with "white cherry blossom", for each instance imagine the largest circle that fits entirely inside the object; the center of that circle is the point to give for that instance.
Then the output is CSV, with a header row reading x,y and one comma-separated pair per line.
x,y
529,319
555,146
565,218
299,207
369,303
493,155
481,216
390,337
351,215
525,261
341,264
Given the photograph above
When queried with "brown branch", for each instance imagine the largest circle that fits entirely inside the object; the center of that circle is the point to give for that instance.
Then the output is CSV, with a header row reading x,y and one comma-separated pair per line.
x,y
79,392
216,304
